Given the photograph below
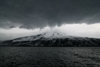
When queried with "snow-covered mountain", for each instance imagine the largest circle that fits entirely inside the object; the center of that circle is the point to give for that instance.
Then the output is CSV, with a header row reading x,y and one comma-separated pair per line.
x,y
44,35
52,38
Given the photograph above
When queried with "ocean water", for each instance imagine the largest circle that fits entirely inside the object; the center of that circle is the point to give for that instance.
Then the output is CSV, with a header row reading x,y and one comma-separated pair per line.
x,y
49,57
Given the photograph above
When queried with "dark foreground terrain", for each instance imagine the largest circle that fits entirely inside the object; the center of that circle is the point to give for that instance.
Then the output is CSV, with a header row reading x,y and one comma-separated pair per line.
x,y
49,57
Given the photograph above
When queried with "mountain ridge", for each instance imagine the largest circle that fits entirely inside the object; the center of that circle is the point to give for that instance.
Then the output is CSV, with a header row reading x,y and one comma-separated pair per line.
x,y
52,39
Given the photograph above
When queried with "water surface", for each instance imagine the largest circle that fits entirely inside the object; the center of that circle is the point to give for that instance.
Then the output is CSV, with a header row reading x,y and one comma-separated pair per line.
x,y
49,57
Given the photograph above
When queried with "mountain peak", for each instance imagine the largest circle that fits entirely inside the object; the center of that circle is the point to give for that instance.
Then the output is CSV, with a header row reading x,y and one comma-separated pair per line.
x,y
46,35
52,38
54,33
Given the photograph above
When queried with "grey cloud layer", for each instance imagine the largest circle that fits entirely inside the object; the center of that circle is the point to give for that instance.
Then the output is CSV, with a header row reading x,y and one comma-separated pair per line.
x,y
39,13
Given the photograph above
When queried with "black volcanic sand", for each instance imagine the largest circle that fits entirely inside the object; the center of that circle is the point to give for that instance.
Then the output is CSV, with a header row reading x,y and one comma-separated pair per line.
x,y
49,57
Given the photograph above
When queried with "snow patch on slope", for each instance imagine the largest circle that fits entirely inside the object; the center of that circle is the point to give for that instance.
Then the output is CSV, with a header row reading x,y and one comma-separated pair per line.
x,y
47,35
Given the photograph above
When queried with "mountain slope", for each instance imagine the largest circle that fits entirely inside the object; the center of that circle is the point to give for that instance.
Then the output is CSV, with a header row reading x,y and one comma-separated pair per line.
x,y
53,39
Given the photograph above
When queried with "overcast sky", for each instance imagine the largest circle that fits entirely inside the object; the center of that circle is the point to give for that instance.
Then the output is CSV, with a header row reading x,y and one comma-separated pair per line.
x,y
34,14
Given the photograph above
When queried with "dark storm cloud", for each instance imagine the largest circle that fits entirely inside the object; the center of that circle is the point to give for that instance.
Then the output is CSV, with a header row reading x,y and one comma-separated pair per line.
x,y
39,13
